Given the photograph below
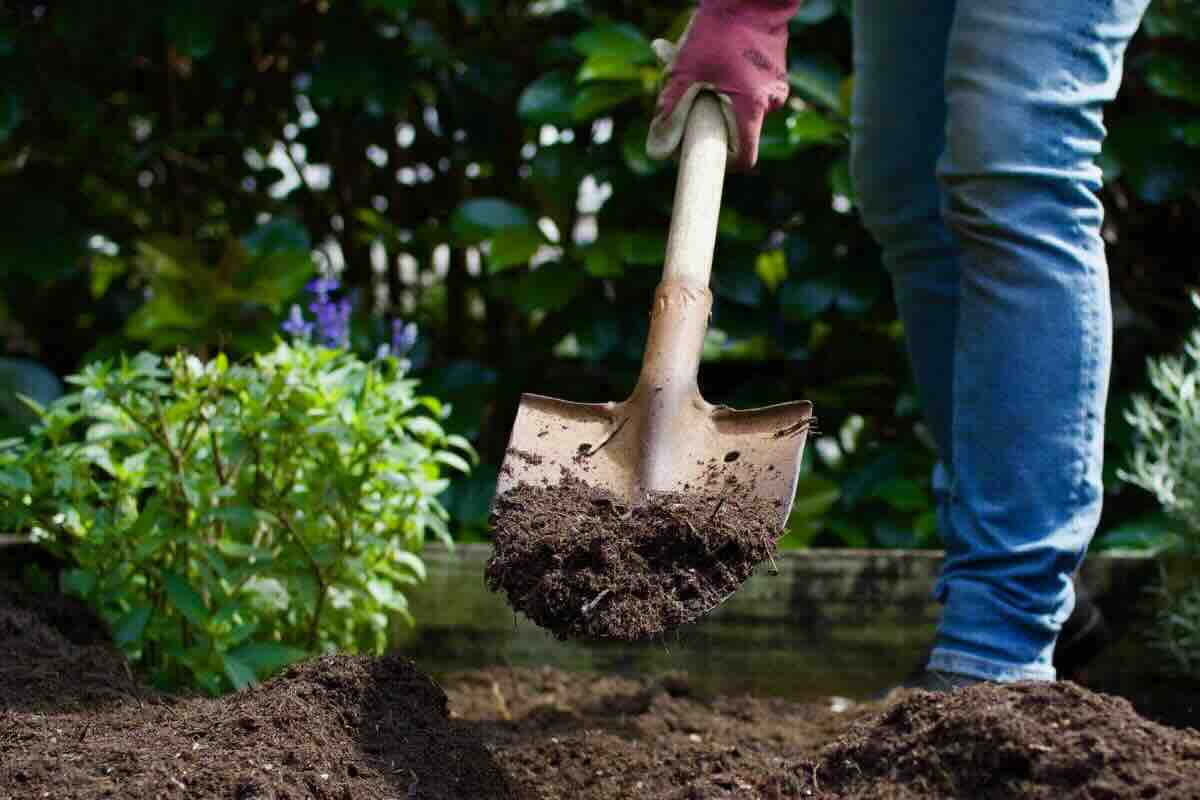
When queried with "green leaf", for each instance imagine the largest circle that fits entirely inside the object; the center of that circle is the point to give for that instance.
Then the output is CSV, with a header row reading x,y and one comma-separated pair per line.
x,y
240,674
477,219
805,300
267,657
280,235
903,494
549,287
16,480
550,100
596,98
452,460
810,127
10,115
600,262
817,78
80,582
771,268
616,41
815,496
131,626
423,427
607,67
514,247
642,247
185,598
1174,76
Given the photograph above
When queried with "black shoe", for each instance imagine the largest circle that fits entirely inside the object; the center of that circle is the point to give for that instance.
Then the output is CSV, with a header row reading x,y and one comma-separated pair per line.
x,y
1084,635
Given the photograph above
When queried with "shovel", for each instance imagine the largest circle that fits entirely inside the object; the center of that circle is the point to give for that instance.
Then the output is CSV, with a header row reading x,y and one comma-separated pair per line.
x,y
666,437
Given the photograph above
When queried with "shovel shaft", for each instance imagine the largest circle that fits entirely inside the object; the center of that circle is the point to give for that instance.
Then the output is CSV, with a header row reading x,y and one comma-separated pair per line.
x,y
697,195
679,316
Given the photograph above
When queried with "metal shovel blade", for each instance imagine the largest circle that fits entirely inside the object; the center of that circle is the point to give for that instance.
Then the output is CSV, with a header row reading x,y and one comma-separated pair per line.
x,y
632,448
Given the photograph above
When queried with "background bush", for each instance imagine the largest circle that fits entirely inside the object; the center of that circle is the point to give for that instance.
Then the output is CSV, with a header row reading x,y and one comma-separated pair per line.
x,y
477,166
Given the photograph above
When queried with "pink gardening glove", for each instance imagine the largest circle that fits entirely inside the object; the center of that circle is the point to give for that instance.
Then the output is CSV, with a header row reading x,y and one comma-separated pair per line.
x,y
737,49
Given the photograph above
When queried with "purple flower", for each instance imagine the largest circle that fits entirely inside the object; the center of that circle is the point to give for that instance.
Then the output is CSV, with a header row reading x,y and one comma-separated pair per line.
x,y
404,336
296,325
333,321
322,287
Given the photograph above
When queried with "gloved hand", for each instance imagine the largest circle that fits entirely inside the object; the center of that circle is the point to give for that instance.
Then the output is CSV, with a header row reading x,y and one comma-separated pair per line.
x,y
737,49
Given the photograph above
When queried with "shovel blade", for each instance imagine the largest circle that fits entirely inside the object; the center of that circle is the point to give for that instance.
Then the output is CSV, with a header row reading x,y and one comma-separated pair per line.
x,y
629,450
550,438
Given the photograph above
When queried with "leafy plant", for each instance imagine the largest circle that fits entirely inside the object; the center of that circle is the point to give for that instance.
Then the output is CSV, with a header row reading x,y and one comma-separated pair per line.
x,y
227,519
1166,456
1166,462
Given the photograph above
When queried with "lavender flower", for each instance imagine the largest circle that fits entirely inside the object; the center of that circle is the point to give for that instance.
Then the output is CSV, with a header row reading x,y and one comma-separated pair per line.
x,y
404,336
333,321
321,288
296,325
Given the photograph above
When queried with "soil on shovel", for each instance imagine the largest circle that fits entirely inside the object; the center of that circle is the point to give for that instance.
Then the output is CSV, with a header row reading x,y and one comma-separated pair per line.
x,y
582,563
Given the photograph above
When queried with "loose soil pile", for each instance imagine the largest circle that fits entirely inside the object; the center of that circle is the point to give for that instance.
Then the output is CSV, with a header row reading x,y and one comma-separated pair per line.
x,y
582,563
1030,741
74,724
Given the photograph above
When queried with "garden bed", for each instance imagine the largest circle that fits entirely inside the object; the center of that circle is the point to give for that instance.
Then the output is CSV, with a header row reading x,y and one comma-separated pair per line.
x,y
75,722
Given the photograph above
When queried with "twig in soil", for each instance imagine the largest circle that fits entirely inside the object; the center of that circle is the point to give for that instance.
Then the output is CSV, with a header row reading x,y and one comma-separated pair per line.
x,y
720,502
587,609
607,439
816,783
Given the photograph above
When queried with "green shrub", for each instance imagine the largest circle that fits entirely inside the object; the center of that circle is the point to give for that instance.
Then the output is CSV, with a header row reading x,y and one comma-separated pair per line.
x,y
1166,456
1166,462
227,519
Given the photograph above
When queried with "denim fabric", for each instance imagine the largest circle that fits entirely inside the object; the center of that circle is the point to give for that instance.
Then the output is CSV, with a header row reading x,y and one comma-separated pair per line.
x,y
976,125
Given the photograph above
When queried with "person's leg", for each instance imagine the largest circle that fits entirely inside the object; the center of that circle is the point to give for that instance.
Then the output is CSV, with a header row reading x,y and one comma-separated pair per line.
x,y
1025,84
898,124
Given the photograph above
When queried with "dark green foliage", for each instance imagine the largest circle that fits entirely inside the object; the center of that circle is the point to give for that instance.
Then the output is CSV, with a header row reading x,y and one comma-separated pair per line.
x,y
446,143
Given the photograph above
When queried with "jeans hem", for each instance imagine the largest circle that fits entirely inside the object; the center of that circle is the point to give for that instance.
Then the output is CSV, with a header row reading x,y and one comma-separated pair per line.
x,y
963,664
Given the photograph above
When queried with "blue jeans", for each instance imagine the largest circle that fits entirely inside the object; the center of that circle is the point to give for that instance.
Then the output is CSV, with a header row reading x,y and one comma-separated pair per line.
x,y
976,125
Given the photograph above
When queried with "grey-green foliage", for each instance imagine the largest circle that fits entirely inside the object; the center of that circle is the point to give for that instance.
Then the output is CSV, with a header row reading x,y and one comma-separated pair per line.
x,y
1175,635
1166,462
227,518
1166,457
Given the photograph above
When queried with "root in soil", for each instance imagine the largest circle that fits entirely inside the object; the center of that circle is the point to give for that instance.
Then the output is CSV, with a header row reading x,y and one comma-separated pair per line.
x,y
582,563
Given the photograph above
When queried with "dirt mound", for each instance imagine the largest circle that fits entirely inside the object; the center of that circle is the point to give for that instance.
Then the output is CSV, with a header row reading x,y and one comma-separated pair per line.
x,y
581,563
74,724
1030,741
42,671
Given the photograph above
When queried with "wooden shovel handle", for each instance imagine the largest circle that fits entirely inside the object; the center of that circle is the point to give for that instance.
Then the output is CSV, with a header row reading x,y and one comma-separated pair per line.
x,y
697,194
679,316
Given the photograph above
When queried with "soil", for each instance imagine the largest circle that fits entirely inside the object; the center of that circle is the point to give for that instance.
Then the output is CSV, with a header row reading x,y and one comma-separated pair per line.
x,y
74,723
582,563
350,727
1040,740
